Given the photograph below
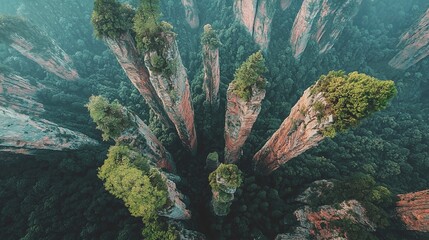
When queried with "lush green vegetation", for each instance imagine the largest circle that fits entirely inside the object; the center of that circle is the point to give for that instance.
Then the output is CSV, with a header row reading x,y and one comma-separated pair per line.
x,y
111,18
248,75
209,37
352,97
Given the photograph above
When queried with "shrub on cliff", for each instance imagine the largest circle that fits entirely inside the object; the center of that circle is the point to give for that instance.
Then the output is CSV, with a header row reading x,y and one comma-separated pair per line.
x,y
209,37
111,18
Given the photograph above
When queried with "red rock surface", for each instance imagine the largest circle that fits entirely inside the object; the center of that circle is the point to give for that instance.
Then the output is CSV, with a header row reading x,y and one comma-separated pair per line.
x,y
132,63
211,74
174,91
191,11
413,209
322,21
300,131
414,44
239,119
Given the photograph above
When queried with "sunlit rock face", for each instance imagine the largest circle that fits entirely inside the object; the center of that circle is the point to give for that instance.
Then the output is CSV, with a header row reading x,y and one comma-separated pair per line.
x,y
132,63
19,95
174,91
322,21
139,136
21,133
256,16
285,4
239,119
414,45
413,209
191,11
211,75
300,131
177,209
37,46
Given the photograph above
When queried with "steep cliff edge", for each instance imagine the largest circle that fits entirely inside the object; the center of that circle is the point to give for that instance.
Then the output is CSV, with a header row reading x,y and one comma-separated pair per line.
x,y
191,11
256,16
414,45
20,133
211,82
36,46
322,21
172,86
413,210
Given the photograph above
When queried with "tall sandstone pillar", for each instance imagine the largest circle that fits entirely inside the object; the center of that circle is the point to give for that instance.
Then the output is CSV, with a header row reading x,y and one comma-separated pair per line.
x,y
211,66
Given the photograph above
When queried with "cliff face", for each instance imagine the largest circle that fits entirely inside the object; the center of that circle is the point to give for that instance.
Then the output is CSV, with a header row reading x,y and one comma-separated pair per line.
x,y
413,209
300,131
285,4
414,44
139,136
211,75
19,95
174,91
239,119
191,12
177,209
322,21
21,134
256,16
132,62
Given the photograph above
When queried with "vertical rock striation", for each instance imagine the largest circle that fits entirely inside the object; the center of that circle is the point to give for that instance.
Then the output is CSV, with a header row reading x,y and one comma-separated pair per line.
x,y
322,21
240,116
413,209
21,133
36,46
173,89
211,66
414,45
125,50
191,11
256,16
300,131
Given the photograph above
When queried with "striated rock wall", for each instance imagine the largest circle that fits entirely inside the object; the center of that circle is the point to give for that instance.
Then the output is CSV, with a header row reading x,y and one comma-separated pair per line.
x,y
239,119
132,62
300,131
414,45
19,95
191,11
20,133
211,75
322,21
173,90
256,16
413,209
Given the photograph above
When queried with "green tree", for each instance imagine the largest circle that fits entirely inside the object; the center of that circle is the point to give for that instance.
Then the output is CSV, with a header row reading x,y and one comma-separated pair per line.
x,y
209,37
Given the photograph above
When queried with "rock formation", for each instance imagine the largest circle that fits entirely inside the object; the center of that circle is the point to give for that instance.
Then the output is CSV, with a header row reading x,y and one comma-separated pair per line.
x,y
211,66
414,45
285,4
256,16
300,131
191,11
185,234
125,50
21,133
173,89
36,46
413,209
240,116
19,95
322,21
177,208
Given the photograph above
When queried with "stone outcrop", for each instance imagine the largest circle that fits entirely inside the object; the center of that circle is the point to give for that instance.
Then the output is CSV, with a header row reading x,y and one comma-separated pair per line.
x,y
211,74
191,11
20,133
413,210
185,234
256,16
125,50
322,21
285,4
300,131
173,89
19,95
414,45
139,136
239,119
177,208
37,46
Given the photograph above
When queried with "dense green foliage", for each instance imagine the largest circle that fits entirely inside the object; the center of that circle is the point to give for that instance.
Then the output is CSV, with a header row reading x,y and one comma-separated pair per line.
x,y
209,37
109,117
352,97
111,18
248,75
